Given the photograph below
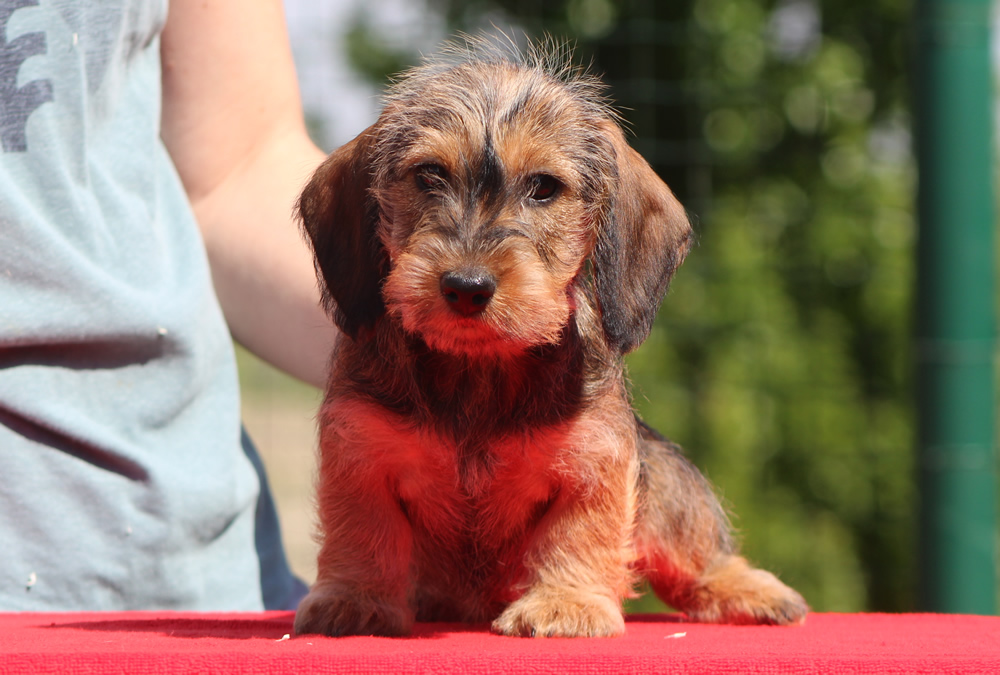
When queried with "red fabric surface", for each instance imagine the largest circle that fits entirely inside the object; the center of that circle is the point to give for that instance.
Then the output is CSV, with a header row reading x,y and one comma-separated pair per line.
x,y
147,643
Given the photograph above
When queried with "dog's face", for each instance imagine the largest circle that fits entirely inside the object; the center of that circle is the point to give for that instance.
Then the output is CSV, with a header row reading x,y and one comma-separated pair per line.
x,y
468,212
489,189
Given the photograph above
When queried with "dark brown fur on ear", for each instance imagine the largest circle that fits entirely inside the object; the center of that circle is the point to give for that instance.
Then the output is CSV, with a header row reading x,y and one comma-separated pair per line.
x,y
339,215
643,239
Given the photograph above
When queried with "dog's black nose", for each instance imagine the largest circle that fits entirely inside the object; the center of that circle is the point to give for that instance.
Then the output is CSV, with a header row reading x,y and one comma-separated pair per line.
x,y
468,291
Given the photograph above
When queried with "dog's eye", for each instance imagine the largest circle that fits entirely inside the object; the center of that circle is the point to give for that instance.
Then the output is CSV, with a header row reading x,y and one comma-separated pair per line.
x,y
544,187
430,177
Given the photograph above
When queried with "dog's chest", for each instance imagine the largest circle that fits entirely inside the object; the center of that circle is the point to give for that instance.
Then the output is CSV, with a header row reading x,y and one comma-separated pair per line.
x,y
484,490
474,455
471,519
483,485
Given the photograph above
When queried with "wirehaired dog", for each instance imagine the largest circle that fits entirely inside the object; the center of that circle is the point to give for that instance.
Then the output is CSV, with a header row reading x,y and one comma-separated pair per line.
x,y
491,247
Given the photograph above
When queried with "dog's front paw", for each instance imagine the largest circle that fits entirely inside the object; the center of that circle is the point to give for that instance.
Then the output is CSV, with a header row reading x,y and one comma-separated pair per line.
x,y
561,613
732,591
337,612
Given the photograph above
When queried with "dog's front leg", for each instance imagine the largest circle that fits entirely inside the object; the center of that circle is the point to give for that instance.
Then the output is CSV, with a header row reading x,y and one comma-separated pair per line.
x,y
578,562
362,584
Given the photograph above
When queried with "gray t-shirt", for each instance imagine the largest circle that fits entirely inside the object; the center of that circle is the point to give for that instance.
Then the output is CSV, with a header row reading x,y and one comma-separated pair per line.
x,y
125,481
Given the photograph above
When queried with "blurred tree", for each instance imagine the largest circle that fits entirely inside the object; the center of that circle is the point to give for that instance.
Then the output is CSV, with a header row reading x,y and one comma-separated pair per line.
x,y
780,358
370,54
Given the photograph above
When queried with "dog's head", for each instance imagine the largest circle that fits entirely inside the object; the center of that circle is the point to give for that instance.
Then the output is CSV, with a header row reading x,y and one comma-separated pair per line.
x,y
470,209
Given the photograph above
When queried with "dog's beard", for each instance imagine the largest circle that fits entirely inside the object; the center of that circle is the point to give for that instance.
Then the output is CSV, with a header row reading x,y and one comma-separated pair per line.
x,y
465,336
525,312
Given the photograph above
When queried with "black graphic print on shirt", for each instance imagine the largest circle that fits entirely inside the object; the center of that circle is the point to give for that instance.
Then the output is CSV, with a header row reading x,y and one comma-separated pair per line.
x,y
17,103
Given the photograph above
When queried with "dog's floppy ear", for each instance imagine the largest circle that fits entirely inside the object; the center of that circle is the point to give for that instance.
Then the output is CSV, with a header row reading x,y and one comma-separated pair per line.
x,y
340,216
643,236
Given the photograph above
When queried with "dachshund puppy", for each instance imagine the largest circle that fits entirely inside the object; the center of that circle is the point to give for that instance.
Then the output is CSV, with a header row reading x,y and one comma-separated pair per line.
x,y
491,247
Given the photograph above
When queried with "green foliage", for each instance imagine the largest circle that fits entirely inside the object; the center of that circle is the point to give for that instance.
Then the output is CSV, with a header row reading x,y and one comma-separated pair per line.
x,y
780,358
785,337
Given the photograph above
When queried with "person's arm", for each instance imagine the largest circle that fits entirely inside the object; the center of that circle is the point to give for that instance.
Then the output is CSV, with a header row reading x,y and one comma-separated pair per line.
x,y
233,124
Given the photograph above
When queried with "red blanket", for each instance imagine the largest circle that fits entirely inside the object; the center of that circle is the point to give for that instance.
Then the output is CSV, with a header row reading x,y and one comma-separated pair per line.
x,y
153,643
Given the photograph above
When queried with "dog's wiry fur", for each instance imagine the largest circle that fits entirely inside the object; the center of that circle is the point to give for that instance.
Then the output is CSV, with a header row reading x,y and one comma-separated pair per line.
x,y
480,460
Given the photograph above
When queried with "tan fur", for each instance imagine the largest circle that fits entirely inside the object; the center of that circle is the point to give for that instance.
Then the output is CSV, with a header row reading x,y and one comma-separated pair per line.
x,y
492,247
